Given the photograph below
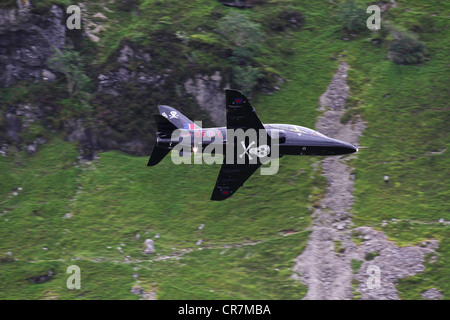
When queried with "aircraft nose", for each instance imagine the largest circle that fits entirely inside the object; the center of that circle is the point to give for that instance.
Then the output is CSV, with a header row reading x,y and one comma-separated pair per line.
x,y
322,145
340,147
347,147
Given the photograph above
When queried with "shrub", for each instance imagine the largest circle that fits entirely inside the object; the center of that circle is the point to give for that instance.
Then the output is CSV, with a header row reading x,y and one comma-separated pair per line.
x,y
69,63
286,19
244,35
353,16
406,48
239,30
246,77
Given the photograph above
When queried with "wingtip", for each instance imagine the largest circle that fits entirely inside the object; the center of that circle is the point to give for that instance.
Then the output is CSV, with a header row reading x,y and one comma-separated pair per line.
x,y
220,196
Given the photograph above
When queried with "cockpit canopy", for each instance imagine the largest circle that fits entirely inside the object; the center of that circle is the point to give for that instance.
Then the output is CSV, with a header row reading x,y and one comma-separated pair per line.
x,y
293,128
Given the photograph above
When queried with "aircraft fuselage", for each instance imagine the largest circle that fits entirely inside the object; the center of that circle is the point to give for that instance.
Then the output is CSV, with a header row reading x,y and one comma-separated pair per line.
x,y
293,140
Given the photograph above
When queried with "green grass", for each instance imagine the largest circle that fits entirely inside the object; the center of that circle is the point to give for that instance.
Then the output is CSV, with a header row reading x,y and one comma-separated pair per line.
x,y
260,271
245,251
408,138
356,265
98,281
435,275
118,197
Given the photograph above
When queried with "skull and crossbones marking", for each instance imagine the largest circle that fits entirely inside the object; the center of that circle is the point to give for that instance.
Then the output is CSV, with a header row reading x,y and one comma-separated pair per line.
x,y
261,151
173,115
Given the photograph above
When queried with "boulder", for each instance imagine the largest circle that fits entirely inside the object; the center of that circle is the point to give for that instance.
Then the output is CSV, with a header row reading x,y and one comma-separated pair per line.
x,y
149,246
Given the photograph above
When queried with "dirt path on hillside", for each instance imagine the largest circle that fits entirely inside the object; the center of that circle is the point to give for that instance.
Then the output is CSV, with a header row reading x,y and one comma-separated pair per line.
x,y
325,265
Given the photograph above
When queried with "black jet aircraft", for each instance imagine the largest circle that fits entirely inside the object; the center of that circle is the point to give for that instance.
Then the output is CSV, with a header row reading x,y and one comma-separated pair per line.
x,y
291,140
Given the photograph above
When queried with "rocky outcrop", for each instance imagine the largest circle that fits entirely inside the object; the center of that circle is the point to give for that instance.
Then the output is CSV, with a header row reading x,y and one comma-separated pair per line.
x,y
26,44
327,274
19,118
209,94
325,266
336,94
13,19
111,82
393,263
27,41
93,139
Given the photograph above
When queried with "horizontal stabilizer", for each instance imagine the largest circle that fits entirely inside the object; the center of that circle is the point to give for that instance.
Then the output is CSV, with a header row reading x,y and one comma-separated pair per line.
x,y
157,155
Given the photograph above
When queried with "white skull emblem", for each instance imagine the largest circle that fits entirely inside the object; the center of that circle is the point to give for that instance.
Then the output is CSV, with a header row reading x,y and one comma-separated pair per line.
x,y
261,151
173,115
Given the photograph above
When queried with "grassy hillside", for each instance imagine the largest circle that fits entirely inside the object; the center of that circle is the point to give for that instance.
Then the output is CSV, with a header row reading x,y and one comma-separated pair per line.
x,y
407,111
55,211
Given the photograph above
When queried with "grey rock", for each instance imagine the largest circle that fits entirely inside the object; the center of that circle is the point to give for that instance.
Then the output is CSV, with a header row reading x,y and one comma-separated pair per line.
x,y
143,294
40,140
30,37
68,215
31,148
113,81
137,290
149,246
393,262
209,93
123,75
13,126
432,294
93,138
42,278
76,130
48,75
125,55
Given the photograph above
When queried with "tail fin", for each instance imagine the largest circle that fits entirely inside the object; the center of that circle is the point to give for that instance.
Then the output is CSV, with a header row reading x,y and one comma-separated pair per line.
x,y
169,120
165,129
177,118
164,126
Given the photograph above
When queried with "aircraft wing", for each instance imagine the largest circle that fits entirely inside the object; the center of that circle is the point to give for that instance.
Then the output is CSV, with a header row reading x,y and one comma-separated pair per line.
x,y
240,115
231,177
